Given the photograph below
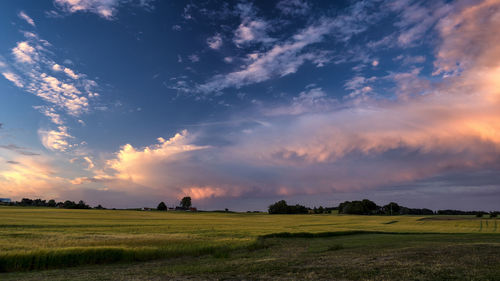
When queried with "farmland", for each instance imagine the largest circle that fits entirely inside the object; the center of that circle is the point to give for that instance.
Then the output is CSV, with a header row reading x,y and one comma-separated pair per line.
x,y
38,243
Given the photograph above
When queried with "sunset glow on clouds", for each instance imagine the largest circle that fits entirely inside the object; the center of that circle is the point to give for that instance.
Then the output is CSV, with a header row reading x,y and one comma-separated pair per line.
x,y
308,106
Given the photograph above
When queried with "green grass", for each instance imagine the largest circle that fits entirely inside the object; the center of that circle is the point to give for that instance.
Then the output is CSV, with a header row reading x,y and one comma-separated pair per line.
x,y
43,238
351,257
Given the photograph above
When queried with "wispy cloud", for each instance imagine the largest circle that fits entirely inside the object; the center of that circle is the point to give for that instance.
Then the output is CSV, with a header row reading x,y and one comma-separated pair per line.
x,y
252,29
285,57
312,100
19,149
57,140
417,18
27,18
106,9
293,7
13,78
34,70
215,42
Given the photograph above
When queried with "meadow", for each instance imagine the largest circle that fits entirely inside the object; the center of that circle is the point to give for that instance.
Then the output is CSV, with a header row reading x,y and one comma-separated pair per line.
x,y
40,243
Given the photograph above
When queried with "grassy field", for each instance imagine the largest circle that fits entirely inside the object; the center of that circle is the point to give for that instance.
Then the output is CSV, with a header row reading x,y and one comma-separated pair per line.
x,y
136,245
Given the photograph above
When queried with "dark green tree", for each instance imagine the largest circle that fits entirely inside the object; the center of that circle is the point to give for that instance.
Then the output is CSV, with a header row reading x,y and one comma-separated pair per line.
x,y
161,207
392,208
52,203
280,207
186,202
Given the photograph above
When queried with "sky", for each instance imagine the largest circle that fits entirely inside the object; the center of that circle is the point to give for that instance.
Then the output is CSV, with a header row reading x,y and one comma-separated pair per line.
x,y
238,104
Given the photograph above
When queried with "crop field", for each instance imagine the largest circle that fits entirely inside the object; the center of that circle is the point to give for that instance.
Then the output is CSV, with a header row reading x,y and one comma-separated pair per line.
x,y
60,244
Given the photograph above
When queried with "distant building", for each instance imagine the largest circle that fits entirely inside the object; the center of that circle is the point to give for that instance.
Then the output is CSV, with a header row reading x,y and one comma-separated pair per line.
x,y
5,200
193,209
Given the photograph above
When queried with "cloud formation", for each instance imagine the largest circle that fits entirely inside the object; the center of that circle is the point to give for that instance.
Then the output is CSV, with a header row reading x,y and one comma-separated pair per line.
x,y
215,42
423,127
106,9
285,57
34,71
424,130
27,18
293,7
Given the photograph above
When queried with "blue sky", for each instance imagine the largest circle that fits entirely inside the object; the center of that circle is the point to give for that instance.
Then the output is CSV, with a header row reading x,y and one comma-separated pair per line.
x,y
241,103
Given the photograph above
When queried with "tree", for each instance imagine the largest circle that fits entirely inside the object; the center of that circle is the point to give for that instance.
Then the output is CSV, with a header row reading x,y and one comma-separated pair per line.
x,y
52,203
280,207
161,207
186,202
26,202
392,208
364,207
82,205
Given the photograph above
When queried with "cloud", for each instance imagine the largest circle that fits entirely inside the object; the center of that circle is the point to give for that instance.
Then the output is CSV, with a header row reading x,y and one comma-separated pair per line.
x,y
63,95
57,67
27,18
410,60
24,53
452,126
141,167
19,149
194,58
417,19
89,161
72,96
64,90
215,42
70,73
359,86
56,140
309,101
34,178
424,128
252,31
13,78
106,9
293,7
284,58
51,113
420,131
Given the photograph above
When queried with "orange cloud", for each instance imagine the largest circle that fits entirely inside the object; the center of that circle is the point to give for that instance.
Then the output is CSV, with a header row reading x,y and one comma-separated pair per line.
x,y
30,177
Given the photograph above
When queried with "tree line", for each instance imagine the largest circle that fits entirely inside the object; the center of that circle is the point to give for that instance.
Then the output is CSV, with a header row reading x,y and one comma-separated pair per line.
x,y
367,207
281,207
27,202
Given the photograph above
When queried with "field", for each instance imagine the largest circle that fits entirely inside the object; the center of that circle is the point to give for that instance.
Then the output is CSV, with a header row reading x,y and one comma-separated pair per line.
x,y
58,244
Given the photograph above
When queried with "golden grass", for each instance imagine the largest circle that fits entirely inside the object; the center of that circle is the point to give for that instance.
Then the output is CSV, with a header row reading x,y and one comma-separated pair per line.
x,y
36,238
